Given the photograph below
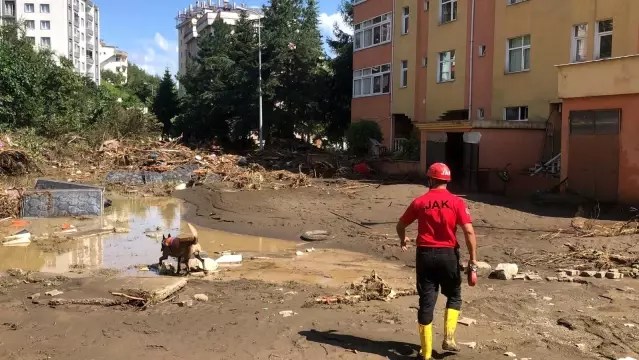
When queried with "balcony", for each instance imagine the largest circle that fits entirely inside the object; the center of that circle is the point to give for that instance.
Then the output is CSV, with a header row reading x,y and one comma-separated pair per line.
x,y
89,32
76,54
89,17
89,60
89,4
614,76
76,38
76,7
76,23
89,46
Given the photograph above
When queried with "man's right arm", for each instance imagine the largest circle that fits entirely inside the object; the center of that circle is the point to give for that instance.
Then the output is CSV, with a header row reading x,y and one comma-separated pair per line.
x,y
466,222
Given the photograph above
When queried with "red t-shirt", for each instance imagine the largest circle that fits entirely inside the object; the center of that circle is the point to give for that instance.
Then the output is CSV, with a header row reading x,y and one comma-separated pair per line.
x,y
438,212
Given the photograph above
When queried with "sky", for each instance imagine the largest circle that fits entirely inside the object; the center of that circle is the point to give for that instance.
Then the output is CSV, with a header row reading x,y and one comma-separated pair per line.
x,y
146,30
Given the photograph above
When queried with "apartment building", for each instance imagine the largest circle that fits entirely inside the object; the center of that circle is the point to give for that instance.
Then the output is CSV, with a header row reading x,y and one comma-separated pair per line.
x,y
486,83
114,59
68,27
196,20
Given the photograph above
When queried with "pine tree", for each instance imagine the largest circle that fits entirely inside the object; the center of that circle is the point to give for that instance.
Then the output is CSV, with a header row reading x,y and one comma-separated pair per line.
x,y
206,102
244,83
165,104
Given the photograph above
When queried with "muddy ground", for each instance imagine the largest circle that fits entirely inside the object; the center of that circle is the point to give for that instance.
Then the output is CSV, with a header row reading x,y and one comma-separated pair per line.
x,y
536,320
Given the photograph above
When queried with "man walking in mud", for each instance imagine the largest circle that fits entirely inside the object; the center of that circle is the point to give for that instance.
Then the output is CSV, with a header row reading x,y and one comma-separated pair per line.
x,y
438,212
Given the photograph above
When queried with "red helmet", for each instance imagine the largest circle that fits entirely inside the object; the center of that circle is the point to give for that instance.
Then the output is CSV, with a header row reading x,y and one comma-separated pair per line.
x,y
439,171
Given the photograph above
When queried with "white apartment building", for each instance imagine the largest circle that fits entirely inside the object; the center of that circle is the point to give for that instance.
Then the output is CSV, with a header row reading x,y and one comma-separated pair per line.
x,y
70,28
196,20
114,59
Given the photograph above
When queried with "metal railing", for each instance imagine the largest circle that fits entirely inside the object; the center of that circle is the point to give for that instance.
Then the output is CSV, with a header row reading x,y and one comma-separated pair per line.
x,y
89,46
89,60
89,31
76,38
89,3
398,144
89,17
76,7
76,23
76,54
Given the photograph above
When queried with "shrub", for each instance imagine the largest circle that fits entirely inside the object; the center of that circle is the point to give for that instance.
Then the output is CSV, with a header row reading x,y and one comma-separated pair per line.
x,y
359,133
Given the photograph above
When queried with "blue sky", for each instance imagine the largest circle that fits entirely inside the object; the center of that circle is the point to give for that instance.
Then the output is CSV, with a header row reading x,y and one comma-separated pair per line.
x,y
146,30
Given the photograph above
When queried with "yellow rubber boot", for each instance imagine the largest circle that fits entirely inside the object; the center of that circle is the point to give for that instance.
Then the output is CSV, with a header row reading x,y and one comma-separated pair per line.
x,y
426,337
450,322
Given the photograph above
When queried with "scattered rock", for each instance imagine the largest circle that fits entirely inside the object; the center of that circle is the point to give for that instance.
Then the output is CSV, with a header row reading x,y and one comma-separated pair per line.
x,y
185,303
600,274
630,325
471,345
54,292
16,272
33,296
533,277
510,354
505,271
565,279
242,161
581,347
389,321
551,278
546,298
287,313
210,264
201,297
519,277
467,321
181,186
614,275
120,230
588,273
581,281
571,272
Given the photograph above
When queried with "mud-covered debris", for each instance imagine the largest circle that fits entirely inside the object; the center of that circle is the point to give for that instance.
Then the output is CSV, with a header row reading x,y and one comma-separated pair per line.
x,y
201,297
54,292
467,321
505,271
287,313
372,287
471,344
33,296
510,354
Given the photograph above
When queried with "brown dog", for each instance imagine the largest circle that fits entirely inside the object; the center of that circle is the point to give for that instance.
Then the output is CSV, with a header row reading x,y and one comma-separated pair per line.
x,y
181,248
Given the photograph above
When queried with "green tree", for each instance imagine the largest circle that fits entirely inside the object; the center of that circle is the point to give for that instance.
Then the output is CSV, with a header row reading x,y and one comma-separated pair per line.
x,y
337,103
208,98
111,77
165,104
142,84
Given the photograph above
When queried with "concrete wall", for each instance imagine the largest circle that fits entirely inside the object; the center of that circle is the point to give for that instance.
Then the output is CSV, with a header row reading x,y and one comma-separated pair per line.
x,y
421,72
628,143
405,49
390,167
616,76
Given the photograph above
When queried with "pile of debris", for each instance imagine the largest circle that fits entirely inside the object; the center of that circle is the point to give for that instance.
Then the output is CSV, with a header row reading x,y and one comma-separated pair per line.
x,y
163,161
15,162
370,288
589,228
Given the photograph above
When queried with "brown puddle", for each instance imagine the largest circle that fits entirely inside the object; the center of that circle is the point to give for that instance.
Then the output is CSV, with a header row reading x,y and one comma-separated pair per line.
x,y
147,220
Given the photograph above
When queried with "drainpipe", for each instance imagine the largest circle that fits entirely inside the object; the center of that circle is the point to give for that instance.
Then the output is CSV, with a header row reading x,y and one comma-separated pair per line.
x,y
470,72
392,79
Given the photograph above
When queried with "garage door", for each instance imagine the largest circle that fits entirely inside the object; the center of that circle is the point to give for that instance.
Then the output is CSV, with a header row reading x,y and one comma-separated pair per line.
x,y
593,160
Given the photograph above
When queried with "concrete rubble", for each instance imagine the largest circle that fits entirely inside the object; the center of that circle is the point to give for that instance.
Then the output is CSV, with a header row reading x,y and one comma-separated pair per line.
x,y
505,271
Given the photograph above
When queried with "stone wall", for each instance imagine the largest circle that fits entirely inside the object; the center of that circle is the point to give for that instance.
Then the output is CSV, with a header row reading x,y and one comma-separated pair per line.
x,y
63,202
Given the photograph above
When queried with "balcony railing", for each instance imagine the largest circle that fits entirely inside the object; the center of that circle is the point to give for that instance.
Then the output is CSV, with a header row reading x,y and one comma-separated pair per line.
x,y
76,38
89,32
398,144
89,60
76,54
89,17
76,23
76,7
90,46
89,3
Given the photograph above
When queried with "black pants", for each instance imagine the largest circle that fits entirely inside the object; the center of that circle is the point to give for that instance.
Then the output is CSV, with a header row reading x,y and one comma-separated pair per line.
x,y
437,267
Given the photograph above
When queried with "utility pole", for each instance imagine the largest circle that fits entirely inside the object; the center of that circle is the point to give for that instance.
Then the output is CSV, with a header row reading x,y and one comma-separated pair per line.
x,y
259,52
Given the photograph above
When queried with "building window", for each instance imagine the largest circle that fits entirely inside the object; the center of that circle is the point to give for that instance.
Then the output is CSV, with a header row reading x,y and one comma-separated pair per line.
x,y
518,54
45,41
517,113
82,23
45,25
424,61
45,9
373,32
482,50
426,5
371,81
578,45
447,11
403,75
603,39
29,8
29,24
405,20
594,122
446,70
480,114
31,39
